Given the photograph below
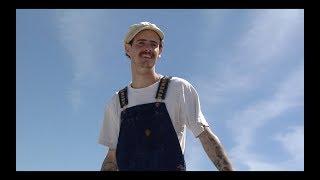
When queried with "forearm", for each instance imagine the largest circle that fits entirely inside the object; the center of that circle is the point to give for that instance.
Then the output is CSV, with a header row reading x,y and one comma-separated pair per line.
x,y
109,163
215,150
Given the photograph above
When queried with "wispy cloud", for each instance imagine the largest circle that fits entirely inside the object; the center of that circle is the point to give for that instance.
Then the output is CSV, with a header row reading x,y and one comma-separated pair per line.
x,y
246,123
247,61
293,142
74,95
78,31
246,67
290,93
269,35
195,156
192,155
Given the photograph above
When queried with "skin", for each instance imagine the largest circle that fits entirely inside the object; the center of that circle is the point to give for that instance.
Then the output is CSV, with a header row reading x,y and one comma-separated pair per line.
x,y
144,52
110,163
145,43
215,150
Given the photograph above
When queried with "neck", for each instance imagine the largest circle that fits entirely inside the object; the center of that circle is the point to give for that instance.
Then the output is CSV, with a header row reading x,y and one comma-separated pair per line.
x,y
144,79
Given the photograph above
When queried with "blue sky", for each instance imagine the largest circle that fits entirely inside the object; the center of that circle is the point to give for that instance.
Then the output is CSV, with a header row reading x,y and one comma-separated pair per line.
x,y
246,65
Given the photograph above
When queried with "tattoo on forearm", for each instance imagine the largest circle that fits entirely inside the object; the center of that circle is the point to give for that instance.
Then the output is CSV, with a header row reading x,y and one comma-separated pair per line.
x,y
216,153
109,165
221,159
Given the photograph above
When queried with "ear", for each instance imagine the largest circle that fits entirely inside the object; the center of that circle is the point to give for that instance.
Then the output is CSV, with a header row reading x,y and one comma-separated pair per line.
x,y
127,48
160,51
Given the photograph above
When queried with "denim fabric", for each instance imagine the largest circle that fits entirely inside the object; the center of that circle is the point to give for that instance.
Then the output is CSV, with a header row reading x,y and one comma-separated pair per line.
x,y
147,140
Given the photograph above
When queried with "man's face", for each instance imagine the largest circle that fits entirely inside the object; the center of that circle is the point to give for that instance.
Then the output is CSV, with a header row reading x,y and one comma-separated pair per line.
x,y
145,49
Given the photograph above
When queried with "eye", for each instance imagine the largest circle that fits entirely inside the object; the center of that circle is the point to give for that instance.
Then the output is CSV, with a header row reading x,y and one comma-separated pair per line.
x,y
140,43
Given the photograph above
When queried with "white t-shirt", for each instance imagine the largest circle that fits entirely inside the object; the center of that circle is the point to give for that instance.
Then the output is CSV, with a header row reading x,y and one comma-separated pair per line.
x,y
182,103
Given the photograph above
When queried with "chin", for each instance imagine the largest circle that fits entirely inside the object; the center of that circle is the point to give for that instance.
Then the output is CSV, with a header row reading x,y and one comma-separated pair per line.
x,y
148,61
149,66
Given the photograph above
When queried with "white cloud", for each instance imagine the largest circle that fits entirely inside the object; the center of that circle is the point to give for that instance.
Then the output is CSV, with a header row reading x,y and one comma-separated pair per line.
x,y
192,156
195,156
75,96
292,90
293,142
255,165
75,32
269,35
246,123
254,52
78,30
244,70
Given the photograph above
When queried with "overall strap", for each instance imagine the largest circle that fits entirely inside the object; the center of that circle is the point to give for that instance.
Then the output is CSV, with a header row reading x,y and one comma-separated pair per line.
x,y
123,97
162,88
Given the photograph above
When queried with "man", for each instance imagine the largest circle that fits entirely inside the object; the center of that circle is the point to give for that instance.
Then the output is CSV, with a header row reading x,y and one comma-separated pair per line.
x,y
145,122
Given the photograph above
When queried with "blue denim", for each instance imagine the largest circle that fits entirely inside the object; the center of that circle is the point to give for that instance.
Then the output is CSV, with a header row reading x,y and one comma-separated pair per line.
x,y
147,140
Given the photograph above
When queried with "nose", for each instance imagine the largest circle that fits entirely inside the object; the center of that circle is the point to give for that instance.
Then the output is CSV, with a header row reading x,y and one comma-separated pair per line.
x,y
147,50
148,47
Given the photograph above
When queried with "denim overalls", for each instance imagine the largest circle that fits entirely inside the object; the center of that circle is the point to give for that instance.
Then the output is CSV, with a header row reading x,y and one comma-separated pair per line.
x,y
147,139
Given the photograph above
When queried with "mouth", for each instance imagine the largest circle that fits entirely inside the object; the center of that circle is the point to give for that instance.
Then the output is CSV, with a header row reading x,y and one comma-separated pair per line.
x,y
146,55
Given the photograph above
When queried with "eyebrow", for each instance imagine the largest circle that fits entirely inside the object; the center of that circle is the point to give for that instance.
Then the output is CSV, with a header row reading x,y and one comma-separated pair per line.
x,y
147,40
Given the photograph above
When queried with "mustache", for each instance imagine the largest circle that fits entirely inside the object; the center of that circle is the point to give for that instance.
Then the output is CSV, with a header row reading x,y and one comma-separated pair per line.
x,y
147,53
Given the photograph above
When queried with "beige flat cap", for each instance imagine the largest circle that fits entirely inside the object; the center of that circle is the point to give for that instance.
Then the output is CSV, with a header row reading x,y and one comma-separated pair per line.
x,y
136,28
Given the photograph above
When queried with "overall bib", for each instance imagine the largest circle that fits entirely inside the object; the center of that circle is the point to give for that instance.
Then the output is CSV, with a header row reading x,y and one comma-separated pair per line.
x,y
147,139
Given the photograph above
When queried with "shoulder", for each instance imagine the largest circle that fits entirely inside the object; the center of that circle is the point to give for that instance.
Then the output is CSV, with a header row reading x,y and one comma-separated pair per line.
x,y
183,86
178,82
113,102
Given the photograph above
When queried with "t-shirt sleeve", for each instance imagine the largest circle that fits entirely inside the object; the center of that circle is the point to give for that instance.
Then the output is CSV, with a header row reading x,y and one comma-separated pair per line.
x,y
191,110
109,131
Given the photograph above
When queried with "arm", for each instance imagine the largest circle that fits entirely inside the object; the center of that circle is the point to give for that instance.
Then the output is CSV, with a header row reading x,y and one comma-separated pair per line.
x,y
110,163
214,150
